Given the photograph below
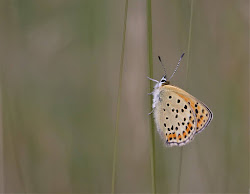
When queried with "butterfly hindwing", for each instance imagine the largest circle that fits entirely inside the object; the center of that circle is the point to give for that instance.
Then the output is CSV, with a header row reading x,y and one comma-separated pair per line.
x,y
203,115
175,119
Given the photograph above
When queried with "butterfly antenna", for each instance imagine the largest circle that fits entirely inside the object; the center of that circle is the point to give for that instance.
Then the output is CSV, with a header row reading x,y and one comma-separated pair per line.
x,y
162,66
177,66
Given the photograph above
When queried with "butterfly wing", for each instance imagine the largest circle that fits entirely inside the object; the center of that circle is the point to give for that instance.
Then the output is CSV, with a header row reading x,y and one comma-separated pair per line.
x,y
202,113
174,117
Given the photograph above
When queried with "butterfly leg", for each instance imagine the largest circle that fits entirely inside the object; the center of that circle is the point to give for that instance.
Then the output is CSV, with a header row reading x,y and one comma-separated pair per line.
x,y
150,93
151,112
152,79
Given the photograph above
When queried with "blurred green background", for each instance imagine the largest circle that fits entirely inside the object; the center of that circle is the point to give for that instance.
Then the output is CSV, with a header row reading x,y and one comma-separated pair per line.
x,y
59,82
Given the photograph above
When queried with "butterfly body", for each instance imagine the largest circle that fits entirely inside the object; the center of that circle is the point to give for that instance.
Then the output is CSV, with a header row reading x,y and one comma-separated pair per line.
x,y
178,115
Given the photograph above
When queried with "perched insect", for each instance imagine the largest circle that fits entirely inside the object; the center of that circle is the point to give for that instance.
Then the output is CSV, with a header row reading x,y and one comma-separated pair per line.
x,y
178,115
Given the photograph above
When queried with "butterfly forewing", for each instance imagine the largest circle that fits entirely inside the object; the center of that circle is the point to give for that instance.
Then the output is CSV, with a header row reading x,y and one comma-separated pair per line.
x,y
202,113
175,119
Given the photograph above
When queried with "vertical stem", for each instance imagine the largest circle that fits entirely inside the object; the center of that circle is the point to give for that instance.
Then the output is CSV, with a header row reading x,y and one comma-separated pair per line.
x,y
189,36
150,62
1,142
188,57
119,99
179,176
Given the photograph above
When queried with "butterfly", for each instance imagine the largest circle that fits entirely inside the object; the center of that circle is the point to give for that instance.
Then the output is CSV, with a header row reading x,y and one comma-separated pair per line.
x,y
178,115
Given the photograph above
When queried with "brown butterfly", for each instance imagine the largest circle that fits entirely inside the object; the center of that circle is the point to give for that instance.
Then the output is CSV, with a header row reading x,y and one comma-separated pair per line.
x,y
178,115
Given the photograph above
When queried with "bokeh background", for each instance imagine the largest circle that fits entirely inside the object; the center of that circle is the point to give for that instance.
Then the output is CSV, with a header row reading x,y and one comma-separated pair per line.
x,y
59,64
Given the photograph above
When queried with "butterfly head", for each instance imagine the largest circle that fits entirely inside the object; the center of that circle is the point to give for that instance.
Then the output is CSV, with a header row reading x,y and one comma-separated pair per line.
x,y
163,82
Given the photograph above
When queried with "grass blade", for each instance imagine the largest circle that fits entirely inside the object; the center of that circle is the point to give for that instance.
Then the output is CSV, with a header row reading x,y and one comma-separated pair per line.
x,y
150,62
119,99
188,56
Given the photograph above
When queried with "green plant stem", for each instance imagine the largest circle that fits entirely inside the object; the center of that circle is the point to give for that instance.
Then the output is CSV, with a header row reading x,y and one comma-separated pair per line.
x,y
150,62
119,99
1,141
188,57
180,169
189,36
